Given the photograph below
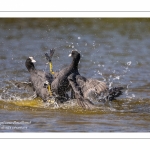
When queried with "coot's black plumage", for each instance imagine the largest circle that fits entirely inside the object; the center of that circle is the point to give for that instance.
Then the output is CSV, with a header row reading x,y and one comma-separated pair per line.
x,y
60,85
38,78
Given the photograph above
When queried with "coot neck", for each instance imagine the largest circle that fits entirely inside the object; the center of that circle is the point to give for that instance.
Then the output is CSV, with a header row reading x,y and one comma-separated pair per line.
x,y
30,67
74,64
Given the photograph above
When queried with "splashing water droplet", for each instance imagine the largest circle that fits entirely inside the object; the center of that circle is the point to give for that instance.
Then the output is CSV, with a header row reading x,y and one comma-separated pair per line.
x,y
118,77
129,63
126,92
110,84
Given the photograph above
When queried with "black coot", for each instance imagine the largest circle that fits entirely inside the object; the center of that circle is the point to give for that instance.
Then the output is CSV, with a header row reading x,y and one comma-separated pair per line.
x,y
38,79
61,84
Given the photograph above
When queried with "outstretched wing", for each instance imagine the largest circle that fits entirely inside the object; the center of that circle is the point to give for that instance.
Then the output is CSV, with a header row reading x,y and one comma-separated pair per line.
x,y
84,103
96,85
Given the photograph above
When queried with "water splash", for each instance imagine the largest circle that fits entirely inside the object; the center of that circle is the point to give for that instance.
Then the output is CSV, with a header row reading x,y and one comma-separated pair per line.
x,y
11,92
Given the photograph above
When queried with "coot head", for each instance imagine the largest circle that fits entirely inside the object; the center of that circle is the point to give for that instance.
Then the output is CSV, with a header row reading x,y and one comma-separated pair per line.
x,y
30,64
75,55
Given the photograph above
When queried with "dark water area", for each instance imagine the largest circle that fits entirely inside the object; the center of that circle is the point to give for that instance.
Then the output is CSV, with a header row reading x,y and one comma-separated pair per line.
x,y
114,50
